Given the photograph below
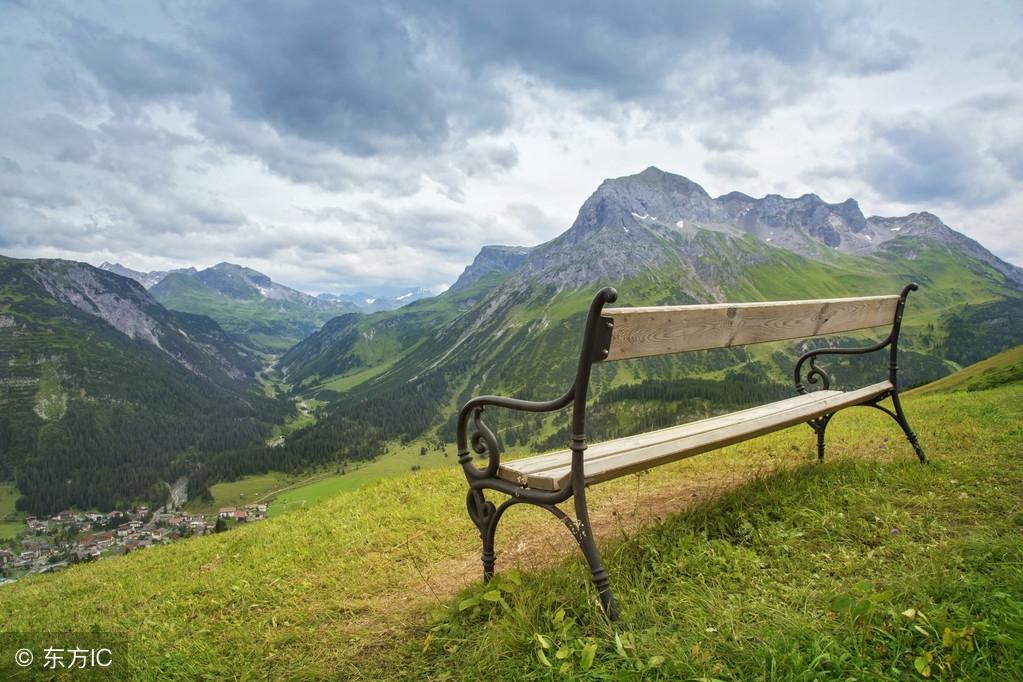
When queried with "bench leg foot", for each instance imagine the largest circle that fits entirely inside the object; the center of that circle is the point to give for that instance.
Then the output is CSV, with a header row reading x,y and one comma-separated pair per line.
x,y
601,581
900,417
819,426
584,534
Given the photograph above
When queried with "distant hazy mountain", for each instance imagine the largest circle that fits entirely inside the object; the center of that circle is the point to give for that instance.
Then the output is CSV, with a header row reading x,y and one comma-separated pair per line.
x,y
104,393
247,303
268,330
373,302
146,279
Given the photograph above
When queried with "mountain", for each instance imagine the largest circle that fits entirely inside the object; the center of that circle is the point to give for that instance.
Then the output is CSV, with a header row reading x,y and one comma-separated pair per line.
x,y
491,259
659,238
373,302
264,315
655,218
146,279
105,395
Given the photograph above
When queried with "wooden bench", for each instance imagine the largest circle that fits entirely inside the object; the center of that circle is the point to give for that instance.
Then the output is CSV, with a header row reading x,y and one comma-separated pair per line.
x,y
623,333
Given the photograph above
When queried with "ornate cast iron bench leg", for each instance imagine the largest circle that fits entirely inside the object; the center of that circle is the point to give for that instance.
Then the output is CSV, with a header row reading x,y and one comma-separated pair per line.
x,y
900,417
589,547
486,516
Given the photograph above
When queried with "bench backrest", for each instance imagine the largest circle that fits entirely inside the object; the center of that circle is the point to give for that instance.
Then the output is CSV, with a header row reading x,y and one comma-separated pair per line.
x,y
640,332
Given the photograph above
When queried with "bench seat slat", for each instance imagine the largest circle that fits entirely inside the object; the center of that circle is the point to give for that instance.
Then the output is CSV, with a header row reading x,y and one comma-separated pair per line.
x,y
627,455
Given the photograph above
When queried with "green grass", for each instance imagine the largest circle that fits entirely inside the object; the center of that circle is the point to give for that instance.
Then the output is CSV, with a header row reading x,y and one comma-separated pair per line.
x,y
244,491
348,381
11,529
850,569
397,461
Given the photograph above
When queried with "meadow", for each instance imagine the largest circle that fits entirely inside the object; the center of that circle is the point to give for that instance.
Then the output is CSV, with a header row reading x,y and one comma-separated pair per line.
x,y
753,562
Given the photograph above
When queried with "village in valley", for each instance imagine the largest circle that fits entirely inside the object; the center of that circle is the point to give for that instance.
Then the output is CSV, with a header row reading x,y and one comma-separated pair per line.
x,y
70,537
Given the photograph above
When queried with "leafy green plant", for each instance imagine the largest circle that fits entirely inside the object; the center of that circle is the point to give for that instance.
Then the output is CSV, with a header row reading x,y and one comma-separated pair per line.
x,y
562,648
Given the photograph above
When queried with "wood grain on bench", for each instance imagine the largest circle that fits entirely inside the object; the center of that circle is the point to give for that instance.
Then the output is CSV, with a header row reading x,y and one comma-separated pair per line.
x,y
622,456
640,332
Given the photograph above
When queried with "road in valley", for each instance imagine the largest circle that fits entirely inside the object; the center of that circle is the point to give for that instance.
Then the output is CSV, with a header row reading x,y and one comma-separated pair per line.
x,y
177,499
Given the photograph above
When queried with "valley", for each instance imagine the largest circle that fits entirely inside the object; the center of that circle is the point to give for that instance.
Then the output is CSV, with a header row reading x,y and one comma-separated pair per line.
x,y
258,384
325,450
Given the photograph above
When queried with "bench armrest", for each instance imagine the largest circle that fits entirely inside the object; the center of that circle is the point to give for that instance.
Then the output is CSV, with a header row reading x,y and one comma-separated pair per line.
x,y
815,373
472,430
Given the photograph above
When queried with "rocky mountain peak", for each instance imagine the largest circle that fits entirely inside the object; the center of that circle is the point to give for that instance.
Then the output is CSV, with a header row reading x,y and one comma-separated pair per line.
x,y
641,221
653,196
146,279
235,281
491,258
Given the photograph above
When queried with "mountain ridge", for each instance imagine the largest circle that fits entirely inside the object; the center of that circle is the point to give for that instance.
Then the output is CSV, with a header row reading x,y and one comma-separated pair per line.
x,y
638,215
660,239
261,313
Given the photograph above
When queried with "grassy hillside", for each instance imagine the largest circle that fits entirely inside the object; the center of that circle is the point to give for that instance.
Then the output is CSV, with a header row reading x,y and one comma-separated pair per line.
x,y
765,566
1003,368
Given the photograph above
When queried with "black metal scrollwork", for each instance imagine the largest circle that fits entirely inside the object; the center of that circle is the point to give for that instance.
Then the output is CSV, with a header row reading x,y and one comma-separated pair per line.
x,y
483,442
481,510
814,373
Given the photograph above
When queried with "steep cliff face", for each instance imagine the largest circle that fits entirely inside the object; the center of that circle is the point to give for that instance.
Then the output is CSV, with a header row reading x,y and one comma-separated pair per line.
x,y
195,343
105,394
490,260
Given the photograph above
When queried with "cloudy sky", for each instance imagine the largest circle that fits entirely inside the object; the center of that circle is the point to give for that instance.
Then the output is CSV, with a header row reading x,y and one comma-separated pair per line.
x,y
339,145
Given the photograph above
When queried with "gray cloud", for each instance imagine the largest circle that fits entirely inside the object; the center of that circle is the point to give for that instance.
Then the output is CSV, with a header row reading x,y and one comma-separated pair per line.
x,y
1009,153
643,53
920,159
354,76
408,78
160,128
133,66
730,168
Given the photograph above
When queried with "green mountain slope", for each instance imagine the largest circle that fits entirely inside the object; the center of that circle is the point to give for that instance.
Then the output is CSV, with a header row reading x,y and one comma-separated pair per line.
x,y
998,370
105,394
354,348
264,315
659,239
766,564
